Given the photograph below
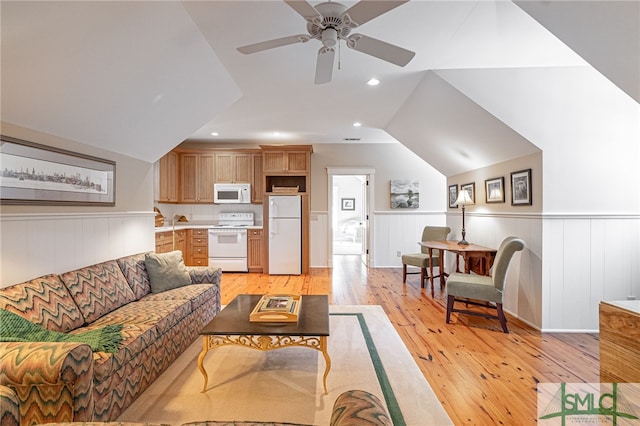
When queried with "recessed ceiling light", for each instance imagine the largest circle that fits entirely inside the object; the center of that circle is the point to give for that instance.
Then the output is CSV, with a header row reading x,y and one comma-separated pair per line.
x,y
357,124
373,82
215,134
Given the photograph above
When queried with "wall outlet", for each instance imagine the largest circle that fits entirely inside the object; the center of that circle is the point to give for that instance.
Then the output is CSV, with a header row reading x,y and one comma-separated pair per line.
x,y
398,253
631,298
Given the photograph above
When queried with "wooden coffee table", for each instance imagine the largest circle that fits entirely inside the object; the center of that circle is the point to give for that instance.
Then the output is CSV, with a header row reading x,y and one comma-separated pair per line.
x,y
232,327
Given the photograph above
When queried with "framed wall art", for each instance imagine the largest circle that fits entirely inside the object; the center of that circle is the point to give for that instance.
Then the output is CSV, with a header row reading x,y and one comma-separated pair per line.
x,y
405,194
348,203
453,196
494,190
521,188
471,189
41,175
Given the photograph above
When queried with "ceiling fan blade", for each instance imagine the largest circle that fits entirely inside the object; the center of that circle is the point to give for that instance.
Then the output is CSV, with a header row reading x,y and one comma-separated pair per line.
x,y
366,10
380,49
324,66
305,10
270,44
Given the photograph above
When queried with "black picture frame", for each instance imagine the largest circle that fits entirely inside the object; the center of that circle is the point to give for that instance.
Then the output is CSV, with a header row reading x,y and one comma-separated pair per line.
x,y
453,196
348,203
521,188
471,189
37,174
494,190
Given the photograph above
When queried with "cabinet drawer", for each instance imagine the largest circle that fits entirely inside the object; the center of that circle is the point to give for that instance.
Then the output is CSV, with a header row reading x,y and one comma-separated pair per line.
x,y
199,251
199,232
199,242
199,261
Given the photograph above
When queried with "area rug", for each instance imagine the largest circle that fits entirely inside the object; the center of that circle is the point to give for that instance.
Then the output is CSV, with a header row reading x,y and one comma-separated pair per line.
x,y
286,385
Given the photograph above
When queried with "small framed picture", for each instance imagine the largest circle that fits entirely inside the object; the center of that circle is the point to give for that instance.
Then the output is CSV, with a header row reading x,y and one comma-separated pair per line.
x,y
471,189
521,188
494,190
348,203
453,196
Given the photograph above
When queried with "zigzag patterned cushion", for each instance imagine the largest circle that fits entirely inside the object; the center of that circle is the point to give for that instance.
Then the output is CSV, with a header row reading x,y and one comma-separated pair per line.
x,y
136,273
203,274
44,301
98,289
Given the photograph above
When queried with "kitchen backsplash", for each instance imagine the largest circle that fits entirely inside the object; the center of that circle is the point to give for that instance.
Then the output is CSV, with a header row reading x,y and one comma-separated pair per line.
x,y
208,212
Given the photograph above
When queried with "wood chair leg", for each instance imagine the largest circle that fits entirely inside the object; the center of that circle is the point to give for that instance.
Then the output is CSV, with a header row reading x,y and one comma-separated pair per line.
x,y
501,317
450,301
404,273
422,277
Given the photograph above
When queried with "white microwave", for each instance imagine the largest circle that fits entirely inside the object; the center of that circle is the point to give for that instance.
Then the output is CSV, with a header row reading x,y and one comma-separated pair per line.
x,y
232,193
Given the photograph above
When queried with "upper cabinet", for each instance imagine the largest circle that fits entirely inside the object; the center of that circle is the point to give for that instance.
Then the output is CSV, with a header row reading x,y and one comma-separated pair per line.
x,y
233,167
187,175
287,166
168,166
197,174
286,159
257,183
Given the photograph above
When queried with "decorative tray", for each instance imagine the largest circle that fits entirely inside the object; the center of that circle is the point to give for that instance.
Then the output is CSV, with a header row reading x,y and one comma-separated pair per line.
x,y
277,308
290,189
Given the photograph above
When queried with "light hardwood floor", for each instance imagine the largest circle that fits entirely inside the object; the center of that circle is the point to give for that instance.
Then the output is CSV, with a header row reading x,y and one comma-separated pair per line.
x,y
481,375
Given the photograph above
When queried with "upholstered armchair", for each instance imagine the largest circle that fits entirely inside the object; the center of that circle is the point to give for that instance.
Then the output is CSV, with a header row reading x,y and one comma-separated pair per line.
x,y
421,260
480,290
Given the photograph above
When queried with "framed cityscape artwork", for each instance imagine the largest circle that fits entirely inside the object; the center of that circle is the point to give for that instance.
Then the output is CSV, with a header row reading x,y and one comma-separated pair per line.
x,y
41,175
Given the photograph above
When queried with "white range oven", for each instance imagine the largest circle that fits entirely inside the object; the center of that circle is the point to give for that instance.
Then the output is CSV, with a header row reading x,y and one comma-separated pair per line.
x,y
228,242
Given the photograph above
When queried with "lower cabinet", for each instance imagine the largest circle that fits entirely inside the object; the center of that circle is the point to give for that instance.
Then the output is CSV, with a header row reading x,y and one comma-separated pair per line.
x,y
198,247
167,241
254,250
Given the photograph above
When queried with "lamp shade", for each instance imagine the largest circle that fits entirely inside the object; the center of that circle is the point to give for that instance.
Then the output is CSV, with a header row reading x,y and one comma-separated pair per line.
x,y
464,199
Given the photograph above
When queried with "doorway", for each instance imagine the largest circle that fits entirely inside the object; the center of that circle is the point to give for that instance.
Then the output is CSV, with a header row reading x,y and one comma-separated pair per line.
x,y
348,214
349,219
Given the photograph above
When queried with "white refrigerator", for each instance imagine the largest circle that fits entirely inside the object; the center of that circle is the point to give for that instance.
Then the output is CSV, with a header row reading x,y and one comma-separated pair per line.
x,y
285,235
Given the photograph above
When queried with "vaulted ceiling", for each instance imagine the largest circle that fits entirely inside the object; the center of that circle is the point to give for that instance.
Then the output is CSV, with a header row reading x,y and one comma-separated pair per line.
x,y
138,78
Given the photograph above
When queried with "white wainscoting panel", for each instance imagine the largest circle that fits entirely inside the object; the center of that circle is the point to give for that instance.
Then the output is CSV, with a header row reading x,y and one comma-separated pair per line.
x,y
587,259
400,232
38,244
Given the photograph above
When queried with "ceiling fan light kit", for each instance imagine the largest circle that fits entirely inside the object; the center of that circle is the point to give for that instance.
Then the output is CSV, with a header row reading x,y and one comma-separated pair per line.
x,y
331,22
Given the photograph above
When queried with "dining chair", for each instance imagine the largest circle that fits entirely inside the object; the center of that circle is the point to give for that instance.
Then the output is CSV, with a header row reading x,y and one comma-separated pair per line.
x,y
421,260
480,290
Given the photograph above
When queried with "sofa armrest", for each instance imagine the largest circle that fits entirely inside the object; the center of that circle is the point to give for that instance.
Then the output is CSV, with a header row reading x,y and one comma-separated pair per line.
x,y
9,407
204,274
358,407
53,381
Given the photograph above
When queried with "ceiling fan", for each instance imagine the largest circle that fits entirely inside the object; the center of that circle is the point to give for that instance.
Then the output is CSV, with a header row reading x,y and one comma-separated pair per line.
x,y
331,22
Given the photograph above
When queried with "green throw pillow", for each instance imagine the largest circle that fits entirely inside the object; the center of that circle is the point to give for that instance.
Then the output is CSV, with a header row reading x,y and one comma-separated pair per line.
x,y
166,271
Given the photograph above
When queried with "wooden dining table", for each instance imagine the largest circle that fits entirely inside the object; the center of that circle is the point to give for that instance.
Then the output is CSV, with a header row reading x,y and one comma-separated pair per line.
x,y
476,258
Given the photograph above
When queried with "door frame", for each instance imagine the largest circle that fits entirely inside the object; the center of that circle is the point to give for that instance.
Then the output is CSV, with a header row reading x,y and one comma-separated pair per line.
x,y
369,188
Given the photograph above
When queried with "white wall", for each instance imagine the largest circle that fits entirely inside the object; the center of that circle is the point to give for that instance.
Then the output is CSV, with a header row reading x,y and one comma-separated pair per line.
x,y
38,240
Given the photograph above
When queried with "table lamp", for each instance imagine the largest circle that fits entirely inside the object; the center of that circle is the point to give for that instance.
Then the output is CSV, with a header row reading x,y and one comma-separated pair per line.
x,y
463,199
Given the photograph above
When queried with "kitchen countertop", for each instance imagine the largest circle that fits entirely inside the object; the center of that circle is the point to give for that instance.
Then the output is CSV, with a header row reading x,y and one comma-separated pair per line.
x,y
194,225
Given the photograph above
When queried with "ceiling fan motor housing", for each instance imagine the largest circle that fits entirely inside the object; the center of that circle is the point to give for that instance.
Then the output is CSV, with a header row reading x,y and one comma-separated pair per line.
x,y
332,14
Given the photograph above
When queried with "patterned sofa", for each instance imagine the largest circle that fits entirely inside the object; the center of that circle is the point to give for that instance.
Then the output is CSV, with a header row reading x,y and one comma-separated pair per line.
x,y
67,381
351,408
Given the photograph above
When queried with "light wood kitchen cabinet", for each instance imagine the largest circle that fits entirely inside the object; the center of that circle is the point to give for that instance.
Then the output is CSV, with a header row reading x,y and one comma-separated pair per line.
x,y
168,168
198,247
167,241
254,250
233,167
289,159
197,174
257,184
